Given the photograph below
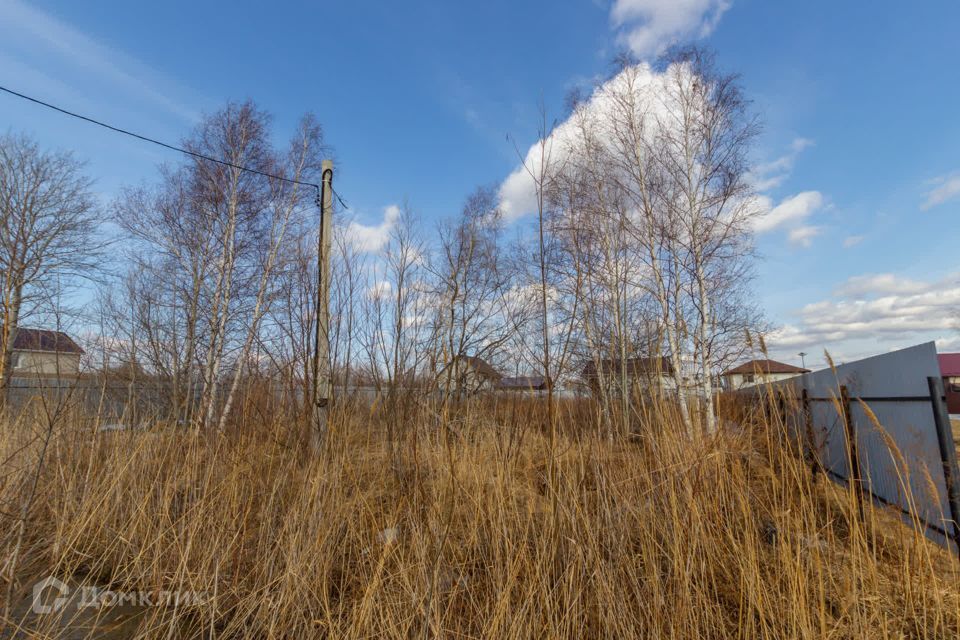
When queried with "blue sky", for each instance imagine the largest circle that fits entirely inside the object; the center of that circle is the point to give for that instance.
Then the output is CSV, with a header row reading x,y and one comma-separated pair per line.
x,y
859,159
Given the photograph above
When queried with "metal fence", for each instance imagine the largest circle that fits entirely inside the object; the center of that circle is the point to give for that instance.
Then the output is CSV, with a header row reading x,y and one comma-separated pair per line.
x,y
112,401
880,425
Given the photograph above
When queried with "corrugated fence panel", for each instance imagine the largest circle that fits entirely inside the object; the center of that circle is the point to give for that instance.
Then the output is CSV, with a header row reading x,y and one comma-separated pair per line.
x,y
917,472
830,438
109,400
897,448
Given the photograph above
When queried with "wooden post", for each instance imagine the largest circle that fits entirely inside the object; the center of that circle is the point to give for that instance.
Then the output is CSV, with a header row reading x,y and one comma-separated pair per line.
x,y
948,454
812,448
321,347
856,479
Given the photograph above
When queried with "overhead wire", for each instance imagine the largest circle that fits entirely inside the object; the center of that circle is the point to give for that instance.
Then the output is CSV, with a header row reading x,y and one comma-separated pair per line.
x,y
166,145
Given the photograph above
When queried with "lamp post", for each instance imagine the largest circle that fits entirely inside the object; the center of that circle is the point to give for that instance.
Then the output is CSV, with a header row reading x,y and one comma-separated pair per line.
x,y
802,359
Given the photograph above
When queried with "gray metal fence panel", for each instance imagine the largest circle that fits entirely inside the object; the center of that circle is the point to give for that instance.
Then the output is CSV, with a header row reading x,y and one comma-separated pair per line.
x,y
829,438
897,449
108,400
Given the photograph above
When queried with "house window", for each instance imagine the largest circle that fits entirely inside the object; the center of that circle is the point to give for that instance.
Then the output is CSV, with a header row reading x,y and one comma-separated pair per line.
x,y
955,383
748,377
15,361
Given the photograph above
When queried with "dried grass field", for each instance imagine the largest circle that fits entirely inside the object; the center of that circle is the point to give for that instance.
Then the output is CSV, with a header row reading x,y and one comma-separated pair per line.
x,y
465,523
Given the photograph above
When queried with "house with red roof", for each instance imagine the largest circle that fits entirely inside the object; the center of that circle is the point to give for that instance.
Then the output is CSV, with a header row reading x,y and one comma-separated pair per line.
x,y
45,352
950,371
759,371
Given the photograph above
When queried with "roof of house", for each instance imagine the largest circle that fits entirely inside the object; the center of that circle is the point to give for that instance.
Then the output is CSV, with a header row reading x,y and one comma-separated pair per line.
x,y
949,364
481,366
519,383
44,340
633,366
765,366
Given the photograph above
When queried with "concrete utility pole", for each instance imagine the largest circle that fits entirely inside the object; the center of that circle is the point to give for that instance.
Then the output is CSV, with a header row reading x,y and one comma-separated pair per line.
x,y
321,349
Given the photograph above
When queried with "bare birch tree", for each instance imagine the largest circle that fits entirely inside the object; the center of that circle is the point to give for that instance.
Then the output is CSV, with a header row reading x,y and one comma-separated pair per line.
x,y
472,317
351,266
222,237
395,306
705,133
287,197
653,190
48,233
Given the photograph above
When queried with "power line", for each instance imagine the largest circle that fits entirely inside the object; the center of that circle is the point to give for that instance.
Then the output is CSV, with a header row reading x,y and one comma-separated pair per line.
x,y
201,156
339,199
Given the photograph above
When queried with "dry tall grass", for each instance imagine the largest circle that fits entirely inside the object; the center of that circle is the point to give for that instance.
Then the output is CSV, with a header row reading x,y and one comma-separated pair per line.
x,y
458,528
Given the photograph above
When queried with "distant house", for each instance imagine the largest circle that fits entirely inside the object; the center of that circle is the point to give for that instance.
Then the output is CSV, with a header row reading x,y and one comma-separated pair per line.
x,y
950,371
609,375
468,375
45,352
524,384
759,372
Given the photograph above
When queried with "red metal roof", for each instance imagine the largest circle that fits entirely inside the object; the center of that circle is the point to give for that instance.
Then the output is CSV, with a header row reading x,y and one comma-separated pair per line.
x,y
44,340
949,364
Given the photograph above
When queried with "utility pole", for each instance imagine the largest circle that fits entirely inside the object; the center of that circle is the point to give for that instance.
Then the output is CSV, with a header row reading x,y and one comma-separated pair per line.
x,y
321,344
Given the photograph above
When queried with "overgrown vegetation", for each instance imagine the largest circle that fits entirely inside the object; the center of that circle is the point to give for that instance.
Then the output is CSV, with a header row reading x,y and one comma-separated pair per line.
x,y
430,507
451,529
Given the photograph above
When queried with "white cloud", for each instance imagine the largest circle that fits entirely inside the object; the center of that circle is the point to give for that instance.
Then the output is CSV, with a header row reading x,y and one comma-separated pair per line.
x,y
769,175
946,344
371,238
649,27
899,314
791,210
379,289
873,313
653,96
803,236
38,41
948,188
788,337
852,241
518,196
879,284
